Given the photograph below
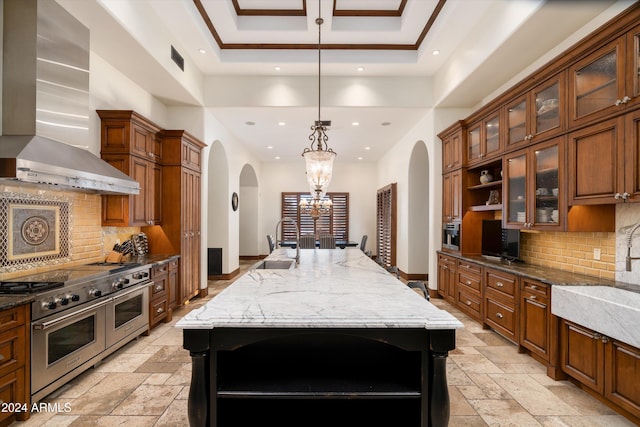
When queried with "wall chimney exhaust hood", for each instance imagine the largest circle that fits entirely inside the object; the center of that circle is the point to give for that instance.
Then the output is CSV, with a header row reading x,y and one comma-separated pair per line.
x,y
45,102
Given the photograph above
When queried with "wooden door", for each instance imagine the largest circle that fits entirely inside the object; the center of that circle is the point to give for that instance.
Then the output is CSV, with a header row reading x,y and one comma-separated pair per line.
x,y
582,354
534,318
141,172
621,373
632,157
596,163
597,84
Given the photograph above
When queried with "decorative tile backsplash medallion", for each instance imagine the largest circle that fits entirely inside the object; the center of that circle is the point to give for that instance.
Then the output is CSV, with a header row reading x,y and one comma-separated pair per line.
x,y
37,230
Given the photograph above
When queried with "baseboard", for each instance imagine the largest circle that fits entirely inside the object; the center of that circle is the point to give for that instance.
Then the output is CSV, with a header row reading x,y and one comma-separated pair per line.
x,y
227,276
252,257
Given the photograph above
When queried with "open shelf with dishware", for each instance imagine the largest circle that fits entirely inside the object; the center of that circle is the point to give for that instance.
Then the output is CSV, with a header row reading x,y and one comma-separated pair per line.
x,y
484,187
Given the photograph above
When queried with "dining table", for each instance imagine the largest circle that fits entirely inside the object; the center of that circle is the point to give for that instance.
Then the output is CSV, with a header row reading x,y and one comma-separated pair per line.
x,y
339,244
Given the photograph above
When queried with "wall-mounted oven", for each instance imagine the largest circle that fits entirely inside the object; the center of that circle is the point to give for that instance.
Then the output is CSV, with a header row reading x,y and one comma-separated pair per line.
x,y
451,236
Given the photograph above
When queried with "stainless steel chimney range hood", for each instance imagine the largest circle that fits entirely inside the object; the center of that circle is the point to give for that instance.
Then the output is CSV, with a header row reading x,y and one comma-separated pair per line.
x,y
45,102
43,161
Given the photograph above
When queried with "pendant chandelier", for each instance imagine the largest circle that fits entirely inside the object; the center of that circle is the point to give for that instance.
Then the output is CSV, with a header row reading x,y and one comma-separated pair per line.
x,y
319,158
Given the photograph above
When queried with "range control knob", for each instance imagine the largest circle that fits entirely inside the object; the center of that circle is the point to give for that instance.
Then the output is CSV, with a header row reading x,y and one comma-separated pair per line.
x,y
64,300
95,293
74,297
49,305
140,275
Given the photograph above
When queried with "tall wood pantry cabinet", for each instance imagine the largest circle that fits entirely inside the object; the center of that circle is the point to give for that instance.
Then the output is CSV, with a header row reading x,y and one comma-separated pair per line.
x,y
181,179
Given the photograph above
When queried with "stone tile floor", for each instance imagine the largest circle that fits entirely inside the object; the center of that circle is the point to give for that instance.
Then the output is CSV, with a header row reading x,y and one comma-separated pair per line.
x,y
146,383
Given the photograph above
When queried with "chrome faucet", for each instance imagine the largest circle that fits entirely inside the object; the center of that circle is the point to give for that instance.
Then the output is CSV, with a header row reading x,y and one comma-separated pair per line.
x,y
629,258
286,218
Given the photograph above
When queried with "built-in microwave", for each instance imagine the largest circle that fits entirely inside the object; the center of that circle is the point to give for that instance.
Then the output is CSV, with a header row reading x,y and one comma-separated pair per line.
x,y
451,236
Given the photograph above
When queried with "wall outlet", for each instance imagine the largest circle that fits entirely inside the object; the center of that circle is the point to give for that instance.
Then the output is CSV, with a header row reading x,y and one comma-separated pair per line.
x,y
596,253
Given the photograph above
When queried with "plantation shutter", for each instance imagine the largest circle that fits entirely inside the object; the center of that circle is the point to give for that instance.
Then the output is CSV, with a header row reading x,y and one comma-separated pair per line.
x,y
386,225
335,223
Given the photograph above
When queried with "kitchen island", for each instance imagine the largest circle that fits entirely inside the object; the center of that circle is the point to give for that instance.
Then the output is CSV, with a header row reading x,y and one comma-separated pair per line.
x,y
336,338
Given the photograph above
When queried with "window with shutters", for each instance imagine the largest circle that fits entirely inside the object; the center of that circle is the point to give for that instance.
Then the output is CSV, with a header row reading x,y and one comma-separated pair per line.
x,y
386,225
335,223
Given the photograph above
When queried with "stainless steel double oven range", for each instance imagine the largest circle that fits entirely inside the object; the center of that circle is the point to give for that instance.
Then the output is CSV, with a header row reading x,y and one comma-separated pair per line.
x,y
81,315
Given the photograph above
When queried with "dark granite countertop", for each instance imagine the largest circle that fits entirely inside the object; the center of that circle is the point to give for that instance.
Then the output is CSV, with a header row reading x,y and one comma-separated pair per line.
x,y
542,274
10,301
154,259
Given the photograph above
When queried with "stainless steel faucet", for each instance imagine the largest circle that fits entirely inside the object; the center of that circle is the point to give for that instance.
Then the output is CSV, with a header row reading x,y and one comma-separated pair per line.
x,y
629,258
286,218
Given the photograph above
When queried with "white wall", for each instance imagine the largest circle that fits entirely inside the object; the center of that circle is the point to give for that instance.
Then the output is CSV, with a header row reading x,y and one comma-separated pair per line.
x,y
251,241
356,178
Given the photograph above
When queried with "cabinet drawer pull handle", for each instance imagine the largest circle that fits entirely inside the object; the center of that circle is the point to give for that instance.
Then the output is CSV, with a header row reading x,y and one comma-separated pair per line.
x,y
499,315
499,284
159,287
468,282
532,297
534,287
468,302
160,310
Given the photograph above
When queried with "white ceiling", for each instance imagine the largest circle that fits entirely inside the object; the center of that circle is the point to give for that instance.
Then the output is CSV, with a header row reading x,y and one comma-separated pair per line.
x,y
482,44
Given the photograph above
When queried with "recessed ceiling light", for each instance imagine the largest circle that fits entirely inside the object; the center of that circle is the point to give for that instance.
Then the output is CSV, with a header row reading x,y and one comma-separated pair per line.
x,y
360,68
249,123
360,158
355,124
277,157
202,51
367,148
281,123
276,68
385,124
435,52
269,147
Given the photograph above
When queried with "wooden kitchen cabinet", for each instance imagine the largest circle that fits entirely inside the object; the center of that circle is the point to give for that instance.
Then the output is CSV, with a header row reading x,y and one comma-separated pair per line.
x,y
129,142
452,196
535,318
484,140
14,362
159,295
468,290
534,189
452,144
602,364
599,85
181,219
174,283
501,302
537,114
134,210
447,267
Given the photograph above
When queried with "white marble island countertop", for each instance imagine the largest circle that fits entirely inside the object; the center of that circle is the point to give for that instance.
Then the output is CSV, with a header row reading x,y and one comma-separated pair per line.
x,y
330,288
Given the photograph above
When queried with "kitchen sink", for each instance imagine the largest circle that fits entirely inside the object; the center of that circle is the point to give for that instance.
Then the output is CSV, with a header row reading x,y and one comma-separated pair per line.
x,y
274,265
611,311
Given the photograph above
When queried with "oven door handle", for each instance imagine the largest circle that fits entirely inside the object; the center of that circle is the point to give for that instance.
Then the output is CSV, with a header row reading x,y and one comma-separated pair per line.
x,y
41,326
133,289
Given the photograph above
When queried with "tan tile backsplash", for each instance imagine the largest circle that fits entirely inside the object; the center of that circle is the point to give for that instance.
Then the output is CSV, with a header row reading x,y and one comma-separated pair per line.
x,y
571,251
89,241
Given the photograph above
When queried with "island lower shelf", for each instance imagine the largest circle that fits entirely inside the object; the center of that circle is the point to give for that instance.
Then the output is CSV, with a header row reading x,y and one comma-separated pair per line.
x,y
365,375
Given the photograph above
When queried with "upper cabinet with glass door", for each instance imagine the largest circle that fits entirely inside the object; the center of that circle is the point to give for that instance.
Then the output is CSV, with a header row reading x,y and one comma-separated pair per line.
x,y
605,82
484,139
538,114
533,185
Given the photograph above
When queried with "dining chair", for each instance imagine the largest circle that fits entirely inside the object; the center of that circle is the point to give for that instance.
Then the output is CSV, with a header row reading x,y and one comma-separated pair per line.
x,y
363,243
307,241
327,241
413,284
271,242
